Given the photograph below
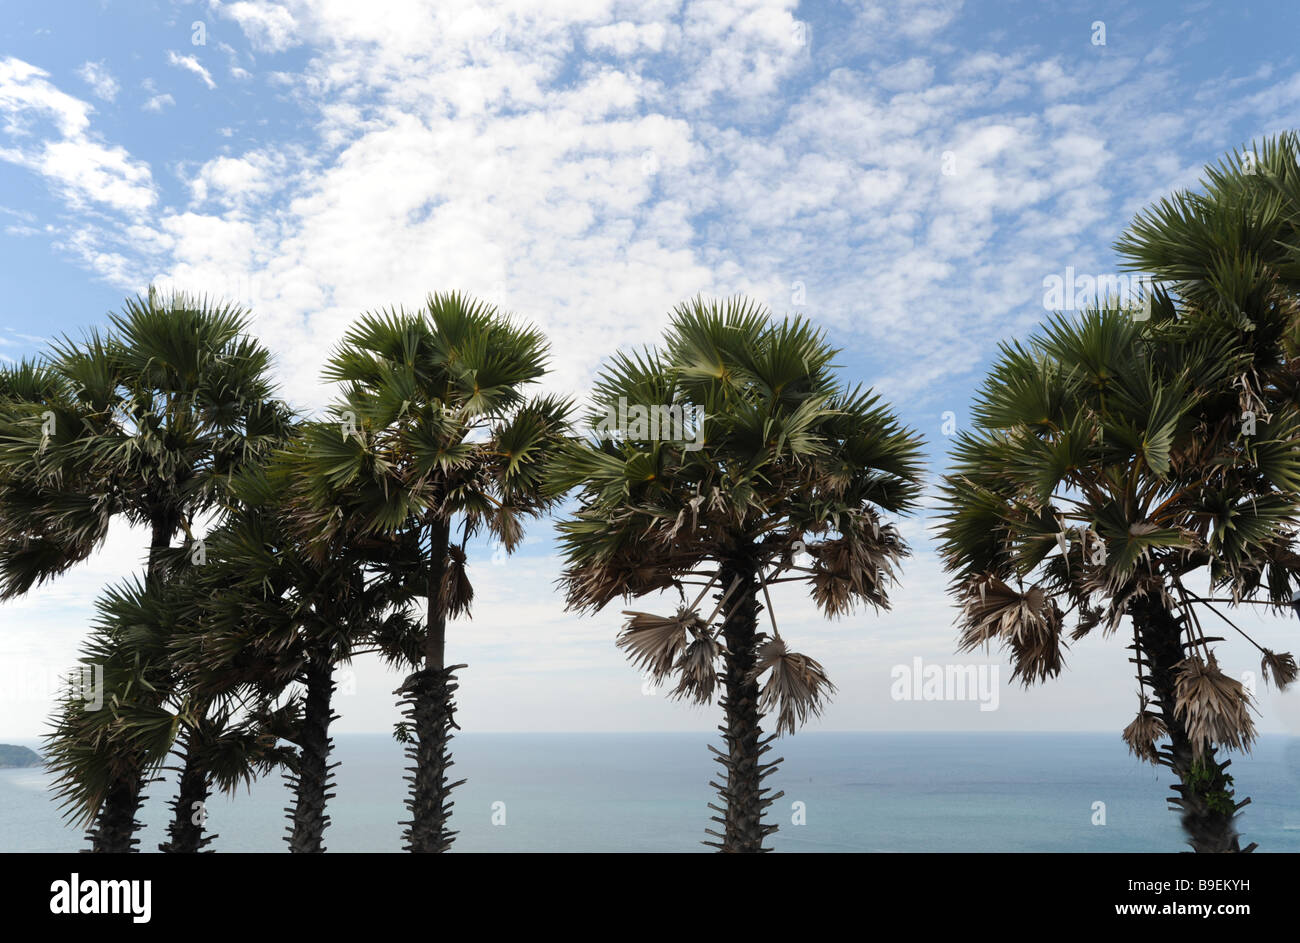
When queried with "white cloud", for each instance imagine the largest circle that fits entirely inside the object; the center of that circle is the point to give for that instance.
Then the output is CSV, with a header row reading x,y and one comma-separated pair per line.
x,y
158,102
81,168
92,247
907,76
100,80
739,51
236,179
626,38
882,24
26,94
191,64
271,27
91,171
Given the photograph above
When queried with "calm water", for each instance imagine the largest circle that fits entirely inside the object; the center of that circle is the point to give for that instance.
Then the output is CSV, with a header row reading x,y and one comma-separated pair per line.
x,y
648,792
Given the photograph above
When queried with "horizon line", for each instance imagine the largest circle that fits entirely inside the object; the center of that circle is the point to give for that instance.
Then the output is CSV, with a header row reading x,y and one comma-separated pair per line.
x,y
805,733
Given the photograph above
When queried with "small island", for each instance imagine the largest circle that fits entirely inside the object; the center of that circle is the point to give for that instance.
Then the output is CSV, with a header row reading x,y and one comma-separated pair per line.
x,y
14,757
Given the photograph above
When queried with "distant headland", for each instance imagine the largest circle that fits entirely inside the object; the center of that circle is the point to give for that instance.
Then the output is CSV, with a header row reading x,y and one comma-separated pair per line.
x,y
14,757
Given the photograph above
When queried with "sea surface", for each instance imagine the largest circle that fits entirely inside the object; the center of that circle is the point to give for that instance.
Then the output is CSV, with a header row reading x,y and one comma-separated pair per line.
x,y
878,792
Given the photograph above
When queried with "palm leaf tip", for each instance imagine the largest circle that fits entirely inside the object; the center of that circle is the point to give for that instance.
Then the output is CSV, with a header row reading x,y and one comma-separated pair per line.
x,y
796,688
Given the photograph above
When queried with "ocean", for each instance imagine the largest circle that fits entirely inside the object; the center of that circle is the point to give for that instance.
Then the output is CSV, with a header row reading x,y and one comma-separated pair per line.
x,y
875,792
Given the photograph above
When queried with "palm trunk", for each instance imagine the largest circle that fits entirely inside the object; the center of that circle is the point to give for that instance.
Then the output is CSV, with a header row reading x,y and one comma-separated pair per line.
x,y
115,824
160,538
189,808
743,795
427,699
311,782
1205,797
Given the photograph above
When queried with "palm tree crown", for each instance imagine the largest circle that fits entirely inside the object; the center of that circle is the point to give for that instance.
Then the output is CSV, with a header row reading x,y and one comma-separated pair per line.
x,y
145,422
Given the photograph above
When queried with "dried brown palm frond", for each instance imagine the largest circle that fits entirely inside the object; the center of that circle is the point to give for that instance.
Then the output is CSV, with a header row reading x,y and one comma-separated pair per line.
x,y
856,568
653,643
833,594
796,687
1143,733
1214,707
456,591
1278,667
991,609
697,668
593,585
1028,623
507,526
1036,651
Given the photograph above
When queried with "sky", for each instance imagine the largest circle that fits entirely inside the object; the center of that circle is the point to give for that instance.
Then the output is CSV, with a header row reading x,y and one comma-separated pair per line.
x,y
909,174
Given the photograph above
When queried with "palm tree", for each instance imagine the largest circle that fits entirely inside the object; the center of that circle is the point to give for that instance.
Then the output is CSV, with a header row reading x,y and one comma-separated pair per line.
x,y
1230,252
433,431
1109,465
100,763
276,615
146,710
145,423
766,455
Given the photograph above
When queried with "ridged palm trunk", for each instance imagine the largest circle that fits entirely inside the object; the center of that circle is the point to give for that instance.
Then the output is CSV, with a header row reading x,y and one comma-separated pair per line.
x,y
743,799
1205,797
428,703
115,825
311,783
187,831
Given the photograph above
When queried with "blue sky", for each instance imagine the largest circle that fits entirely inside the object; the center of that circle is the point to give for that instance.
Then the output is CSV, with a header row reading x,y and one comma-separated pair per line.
x,y
905,173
